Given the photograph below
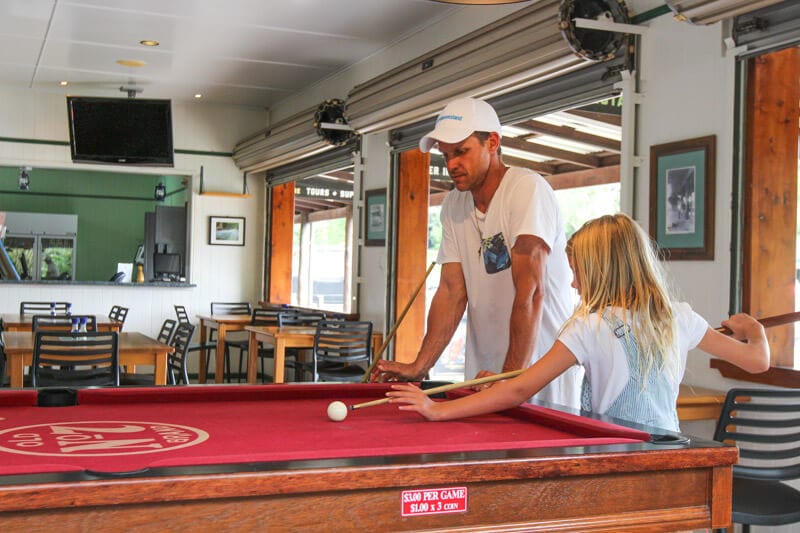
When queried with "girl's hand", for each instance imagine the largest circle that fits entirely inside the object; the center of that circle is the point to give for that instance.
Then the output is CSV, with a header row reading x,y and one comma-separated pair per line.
x,y
412,398
744,327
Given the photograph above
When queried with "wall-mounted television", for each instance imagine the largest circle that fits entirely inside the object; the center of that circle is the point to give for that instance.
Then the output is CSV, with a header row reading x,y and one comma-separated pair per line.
x,y
128,131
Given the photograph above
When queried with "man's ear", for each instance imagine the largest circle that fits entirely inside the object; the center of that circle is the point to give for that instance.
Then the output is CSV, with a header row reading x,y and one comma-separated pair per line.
x,y
493,141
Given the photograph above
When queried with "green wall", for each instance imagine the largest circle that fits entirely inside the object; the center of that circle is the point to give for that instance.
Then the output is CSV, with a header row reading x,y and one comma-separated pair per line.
x,y
110,208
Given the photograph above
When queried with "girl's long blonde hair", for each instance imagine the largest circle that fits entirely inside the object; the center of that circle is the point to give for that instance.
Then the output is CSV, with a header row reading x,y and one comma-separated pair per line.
x,y
615,264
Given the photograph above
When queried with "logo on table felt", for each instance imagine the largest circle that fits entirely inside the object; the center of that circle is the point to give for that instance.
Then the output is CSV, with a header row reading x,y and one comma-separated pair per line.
x,y
100,438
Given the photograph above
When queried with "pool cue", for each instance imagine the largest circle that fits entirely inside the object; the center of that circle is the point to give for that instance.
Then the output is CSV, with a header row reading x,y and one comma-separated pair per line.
x,y
769,321
449,387
390,335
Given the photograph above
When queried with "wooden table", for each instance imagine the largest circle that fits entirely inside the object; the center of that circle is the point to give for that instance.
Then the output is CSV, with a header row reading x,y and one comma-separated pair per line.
x,y
18,322
223,324
134,349
697,403
282,338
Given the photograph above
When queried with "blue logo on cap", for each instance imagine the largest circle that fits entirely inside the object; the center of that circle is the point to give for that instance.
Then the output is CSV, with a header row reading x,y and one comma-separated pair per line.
x,y
449,117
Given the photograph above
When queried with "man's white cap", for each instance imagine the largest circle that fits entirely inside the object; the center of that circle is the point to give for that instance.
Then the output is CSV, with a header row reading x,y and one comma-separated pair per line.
x,y
460,119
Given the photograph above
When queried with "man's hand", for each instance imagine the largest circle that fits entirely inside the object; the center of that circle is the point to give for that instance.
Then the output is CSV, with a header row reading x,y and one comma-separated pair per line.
x,y
390,371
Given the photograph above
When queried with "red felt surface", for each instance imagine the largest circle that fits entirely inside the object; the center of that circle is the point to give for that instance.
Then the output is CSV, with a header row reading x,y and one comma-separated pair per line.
x,y
123,430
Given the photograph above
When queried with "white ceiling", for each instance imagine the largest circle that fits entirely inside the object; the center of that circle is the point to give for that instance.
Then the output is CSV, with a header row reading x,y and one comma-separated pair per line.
x,y
246,52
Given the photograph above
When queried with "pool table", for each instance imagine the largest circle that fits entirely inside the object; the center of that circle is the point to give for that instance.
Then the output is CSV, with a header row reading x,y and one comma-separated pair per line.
x,y
258,458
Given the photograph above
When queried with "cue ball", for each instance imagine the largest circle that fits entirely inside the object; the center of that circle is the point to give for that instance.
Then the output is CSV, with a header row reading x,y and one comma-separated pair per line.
x,y
337,411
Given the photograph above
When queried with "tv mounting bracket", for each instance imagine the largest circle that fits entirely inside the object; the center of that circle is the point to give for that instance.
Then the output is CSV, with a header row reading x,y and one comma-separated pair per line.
x,y
131,91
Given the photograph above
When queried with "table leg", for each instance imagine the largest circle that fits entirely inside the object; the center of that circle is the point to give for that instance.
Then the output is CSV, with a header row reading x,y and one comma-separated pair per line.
x,y
16,371
280,359
219,376
160,371
252,357
202,371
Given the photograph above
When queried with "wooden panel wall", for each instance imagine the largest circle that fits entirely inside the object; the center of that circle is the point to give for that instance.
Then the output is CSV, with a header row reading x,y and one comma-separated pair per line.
x,y
771,193
280,249
412,246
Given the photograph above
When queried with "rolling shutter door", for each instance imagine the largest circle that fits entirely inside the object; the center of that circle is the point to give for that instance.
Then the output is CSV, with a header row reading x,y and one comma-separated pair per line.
x,y
711,11
574,89
521,49
289,140
773,27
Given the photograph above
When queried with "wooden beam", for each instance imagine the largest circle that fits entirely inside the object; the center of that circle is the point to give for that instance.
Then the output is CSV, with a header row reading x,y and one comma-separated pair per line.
x,y
280,250
584,160
571,134
584,178
541,168
605,118
770,199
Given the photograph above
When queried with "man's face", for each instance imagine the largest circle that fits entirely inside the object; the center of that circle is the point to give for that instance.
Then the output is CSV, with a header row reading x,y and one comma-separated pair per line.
x,y
467,162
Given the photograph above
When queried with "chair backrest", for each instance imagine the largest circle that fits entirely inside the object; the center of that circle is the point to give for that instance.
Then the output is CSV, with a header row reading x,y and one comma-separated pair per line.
x,y
765,426
32,308
181,313
299,317
177,360
75,359
167,328
231,308
343,341
268,316
118,313
61,322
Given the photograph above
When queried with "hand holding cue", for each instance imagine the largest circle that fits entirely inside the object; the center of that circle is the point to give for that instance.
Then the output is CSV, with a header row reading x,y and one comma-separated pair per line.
x,y
769,321
376,357
449,387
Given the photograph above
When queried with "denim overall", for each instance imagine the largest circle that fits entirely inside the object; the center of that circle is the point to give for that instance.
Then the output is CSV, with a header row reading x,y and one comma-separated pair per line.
x,y
650,402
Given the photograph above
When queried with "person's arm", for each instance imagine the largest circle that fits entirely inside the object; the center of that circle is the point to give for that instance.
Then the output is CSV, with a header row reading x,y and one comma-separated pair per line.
x,y
746,347
447,308
502,395
528,265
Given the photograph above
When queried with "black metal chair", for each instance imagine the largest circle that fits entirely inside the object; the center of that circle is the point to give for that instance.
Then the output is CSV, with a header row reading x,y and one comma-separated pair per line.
x,y
176,361
75,359
206,347
167,329
61,322
298,317
765,426
165,336
118,314
267,316
33,308
342,351
227,308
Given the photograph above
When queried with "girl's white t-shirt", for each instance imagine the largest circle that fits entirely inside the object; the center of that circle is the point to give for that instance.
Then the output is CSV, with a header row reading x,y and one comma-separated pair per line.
x,y
603,357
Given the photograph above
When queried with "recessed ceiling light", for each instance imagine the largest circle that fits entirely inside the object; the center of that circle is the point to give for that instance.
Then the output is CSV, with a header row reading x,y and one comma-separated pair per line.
x,y
131,62
63,83
149,42
198,95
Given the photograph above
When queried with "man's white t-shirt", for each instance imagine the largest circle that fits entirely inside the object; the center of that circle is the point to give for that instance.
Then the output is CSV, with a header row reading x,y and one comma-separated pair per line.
x,y
603,357
524,204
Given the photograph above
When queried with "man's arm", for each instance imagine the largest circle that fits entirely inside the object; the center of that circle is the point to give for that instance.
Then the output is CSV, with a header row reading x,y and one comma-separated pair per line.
x,y
528,266
447,308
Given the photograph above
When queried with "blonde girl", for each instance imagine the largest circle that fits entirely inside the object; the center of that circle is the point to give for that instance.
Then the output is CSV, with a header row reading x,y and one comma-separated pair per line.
x,y
630,337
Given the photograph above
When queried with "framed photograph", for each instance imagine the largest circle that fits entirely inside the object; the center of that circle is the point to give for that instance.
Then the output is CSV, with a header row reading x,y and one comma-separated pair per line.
x,y
682,198
375,217
226,231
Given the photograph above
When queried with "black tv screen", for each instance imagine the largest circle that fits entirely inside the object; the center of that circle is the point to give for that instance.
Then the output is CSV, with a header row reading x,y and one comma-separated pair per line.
x,y
120,131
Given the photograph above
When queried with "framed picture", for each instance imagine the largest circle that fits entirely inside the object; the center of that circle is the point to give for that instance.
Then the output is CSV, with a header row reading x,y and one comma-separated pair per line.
x,y
682,198
227,231
375,217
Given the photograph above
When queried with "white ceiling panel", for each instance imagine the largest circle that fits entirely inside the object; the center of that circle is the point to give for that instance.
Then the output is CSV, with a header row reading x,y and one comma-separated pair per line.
x,y
249,52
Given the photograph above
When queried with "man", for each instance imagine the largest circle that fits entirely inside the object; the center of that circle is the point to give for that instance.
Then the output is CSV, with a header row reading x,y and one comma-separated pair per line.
x,y
502,255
